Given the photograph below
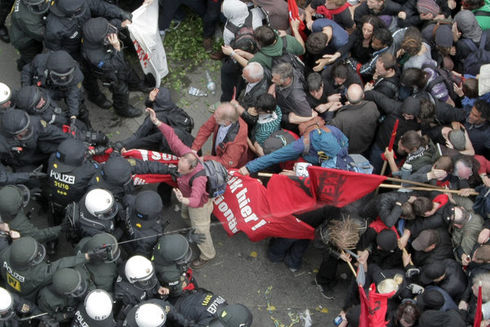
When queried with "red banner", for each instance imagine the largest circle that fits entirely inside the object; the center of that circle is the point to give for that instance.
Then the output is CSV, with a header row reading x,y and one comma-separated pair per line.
x,y
374,307
294,14
478,312
245,207
340,187
296,195
364,317
151,155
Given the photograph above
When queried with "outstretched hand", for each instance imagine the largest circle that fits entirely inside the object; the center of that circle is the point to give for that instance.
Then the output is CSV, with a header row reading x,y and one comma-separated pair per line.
x,y
153,116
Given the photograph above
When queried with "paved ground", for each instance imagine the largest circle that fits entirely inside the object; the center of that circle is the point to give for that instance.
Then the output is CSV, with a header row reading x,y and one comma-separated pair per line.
x,y
241,271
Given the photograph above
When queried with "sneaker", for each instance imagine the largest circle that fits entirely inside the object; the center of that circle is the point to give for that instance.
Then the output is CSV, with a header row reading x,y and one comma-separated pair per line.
x,y
198,263
324,290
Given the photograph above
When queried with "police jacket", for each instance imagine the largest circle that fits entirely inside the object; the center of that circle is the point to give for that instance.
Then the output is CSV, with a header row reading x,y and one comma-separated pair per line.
x,y
52,113
65,33
26,27
67,184
9,178
172,314
26,281
128,294
21,306
36,73
200,305
81,319
23,225
61,307
107,63
119,188
37,149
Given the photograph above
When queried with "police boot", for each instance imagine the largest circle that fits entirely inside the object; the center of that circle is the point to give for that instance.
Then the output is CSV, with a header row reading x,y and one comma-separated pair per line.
x,y
101,101
120,97
4,34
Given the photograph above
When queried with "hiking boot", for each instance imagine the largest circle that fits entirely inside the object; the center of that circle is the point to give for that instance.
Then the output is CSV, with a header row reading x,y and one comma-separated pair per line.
x,y
101,102
4,34
129,112
207,44
198,263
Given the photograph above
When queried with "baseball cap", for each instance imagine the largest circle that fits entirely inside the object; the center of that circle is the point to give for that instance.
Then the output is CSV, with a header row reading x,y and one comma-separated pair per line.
x,y
387,240
426,238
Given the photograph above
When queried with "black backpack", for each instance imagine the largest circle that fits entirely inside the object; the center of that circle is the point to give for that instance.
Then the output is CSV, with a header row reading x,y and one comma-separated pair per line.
x,y
177,118
217,177
290,58
244,35
478,56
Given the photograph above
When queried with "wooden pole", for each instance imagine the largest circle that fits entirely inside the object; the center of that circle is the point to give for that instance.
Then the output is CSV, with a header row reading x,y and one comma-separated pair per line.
x,y
406,181
442,190
350,265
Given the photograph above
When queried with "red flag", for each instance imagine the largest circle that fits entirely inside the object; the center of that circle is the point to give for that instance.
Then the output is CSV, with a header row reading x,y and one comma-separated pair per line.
x,y
294,14
340,187
151,155
378,305
296,195
244,207
478,313
364,317
142,179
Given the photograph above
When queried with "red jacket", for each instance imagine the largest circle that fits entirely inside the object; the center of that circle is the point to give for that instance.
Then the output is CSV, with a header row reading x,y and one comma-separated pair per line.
x,y
233,151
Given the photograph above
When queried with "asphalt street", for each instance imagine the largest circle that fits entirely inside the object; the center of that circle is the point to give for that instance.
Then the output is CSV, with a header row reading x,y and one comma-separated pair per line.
x,y
241,272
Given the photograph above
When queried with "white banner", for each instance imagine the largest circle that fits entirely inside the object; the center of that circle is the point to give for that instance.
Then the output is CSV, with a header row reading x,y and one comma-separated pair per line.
x,y
147,42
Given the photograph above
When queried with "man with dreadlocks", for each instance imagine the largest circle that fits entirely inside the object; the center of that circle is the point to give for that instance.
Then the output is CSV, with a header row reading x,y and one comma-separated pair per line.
x,y
338,237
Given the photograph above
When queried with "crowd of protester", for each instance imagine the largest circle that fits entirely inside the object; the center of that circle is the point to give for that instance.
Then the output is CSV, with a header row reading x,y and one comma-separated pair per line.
x,y
391,87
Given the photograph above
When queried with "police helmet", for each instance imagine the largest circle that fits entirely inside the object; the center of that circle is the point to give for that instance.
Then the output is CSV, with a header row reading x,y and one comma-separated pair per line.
x,y
104,240
17,123
6,305
70,154
5,93
12,199
148,205
96,30
172,248
26,252
32,99
37,7
233,315
61,67
139,272
69,282
150,315
100,203
71,8
98,304
117,171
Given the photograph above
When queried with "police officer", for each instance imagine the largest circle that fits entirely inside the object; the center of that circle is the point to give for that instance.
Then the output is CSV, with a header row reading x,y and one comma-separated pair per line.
x,y
104,273
60,74
28,20
36,101
69,173
154,313
13,307
200,306
5,97
95,311
101,50
172,255
30,139
24,269
13,200
96,213
64,32
116,174
233,315
136,283
144,222
67,289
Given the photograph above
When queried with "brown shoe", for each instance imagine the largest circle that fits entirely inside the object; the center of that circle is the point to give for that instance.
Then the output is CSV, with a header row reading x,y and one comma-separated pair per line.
x,y
207,44
198,263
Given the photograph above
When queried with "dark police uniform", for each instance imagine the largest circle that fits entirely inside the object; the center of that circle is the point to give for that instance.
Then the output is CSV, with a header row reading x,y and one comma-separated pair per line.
x,y
82,319
22,308
31,153
37,73
200,306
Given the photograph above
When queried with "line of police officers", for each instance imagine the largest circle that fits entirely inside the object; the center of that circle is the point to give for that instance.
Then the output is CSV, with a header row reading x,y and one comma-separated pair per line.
x,y
125,270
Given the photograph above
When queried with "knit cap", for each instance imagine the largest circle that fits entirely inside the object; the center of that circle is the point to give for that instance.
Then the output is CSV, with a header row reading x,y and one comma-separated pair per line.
x,y
428,7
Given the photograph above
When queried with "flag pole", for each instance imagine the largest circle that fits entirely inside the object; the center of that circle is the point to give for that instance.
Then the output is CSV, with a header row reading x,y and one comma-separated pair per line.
x,y
390,147
350,265
442,190
407,181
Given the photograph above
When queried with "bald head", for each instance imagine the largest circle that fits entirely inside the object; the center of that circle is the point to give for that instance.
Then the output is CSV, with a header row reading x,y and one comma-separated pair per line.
x,y
355,93
226,114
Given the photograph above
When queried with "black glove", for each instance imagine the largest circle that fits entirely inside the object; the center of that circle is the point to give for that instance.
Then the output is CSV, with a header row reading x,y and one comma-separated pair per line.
x,y
118,146
98,150
99,254
193,237
97,138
